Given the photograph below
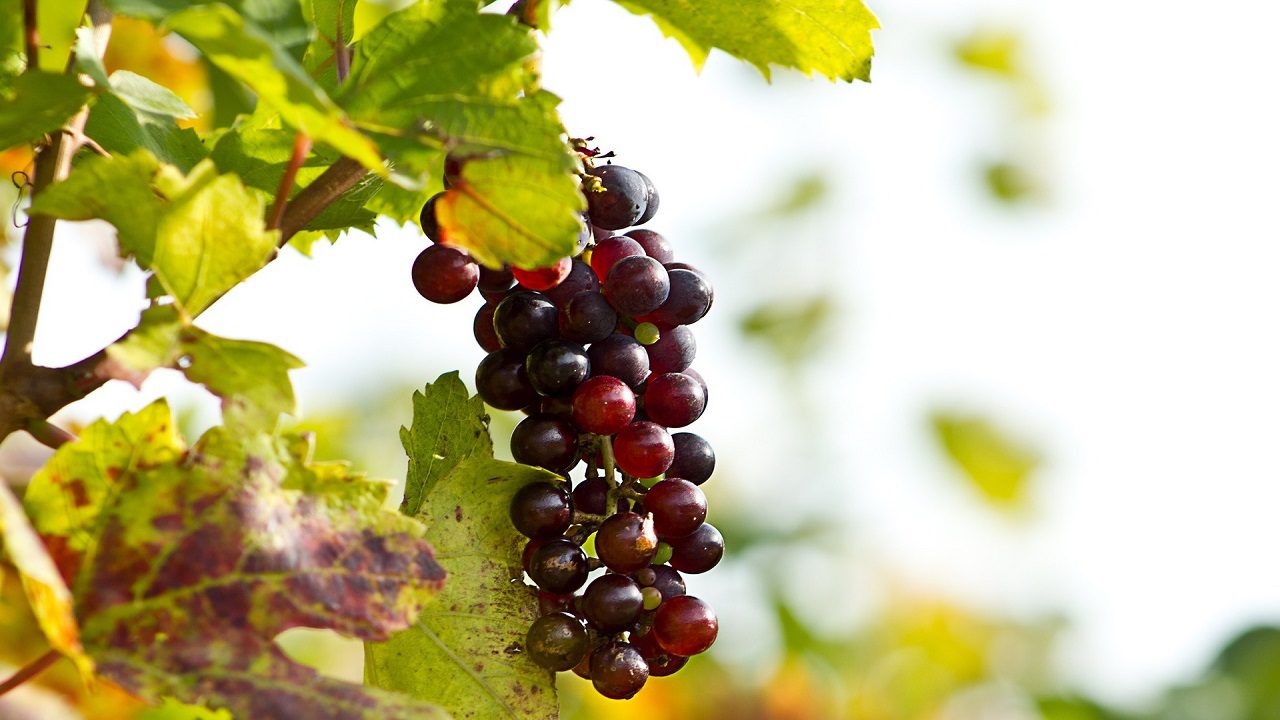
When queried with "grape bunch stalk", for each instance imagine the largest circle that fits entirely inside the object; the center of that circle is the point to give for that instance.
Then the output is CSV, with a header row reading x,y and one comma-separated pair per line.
x,y
596,350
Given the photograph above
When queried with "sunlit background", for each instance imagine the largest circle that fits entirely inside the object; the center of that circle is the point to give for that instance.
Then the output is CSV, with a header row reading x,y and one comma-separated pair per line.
x,y
993,362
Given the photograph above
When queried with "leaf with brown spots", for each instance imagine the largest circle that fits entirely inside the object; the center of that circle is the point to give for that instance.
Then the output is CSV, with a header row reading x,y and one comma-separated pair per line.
x,y
466,650
186,562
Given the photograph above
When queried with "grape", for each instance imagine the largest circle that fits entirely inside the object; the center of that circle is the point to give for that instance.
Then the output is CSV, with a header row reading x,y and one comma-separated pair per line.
x,y
559,566
502,381
546,442
673,352
685,626
524,319
626,542
646,333
541,510
666,580
650,200
687,302
543,278
678,508
609,252
584,237
643,449
618,671
589,318
598,233
655,246
556,367
557,641
427,219
620,356
444,275
652,598
559,407
672,399
496,281
482,329
694,459
620,200
549,603
531,547
698,376
611,603
603,405
581,278
637,285
661,663
591,495
698,552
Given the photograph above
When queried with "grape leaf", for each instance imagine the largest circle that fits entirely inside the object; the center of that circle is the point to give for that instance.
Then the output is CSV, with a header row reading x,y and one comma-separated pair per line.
x,y
281,84
56,22
123,129
465,81
335,25
187,562
998,466
38,103
829,37
465,652
11,50
280,20
201,233
145,96
50,600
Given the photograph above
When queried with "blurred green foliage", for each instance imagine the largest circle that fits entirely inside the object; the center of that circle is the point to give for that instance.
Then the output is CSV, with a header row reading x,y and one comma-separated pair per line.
x,y
997,466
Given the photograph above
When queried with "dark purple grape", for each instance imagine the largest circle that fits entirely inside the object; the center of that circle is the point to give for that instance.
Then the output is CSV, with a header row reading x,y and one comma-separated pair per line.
x,y
678,508
541,510
559,407
661,663
650,200
655,246
556,367
543,278
525,319
643,449
666,580
591,495
620,200
637,285
673,352
626,542
588,318
685,626
502,381
427,219
581,278
482,329
559,566
496,281
444,275
694,459
549,603
673,399
546,442
610,251
698,552
603,405
687,302
618,671
598,233
622,357
557,641
612,602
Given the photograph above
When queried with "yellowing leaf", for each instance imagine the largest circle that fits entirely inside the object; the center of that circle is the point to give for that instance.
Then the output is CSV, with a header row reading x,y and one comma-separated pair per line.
x,y
829,37
50,600
186,562
996,465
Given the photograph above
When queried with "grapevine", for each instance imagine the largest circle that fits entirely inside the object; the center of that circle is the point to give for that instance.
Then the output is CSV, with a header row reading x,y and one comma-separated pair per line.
x,y
595,350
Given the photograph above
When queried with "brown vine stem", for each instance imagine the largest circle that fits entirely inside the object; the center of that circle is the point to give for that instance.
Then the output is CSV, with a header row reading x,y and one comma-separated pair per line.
x,y
30,670
48,434
301,146
314,198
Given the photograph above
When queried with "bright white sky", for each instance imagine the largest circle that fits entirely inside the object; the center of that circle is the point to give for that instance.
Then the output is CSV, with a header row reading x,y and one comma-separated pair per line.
x,y
1128,329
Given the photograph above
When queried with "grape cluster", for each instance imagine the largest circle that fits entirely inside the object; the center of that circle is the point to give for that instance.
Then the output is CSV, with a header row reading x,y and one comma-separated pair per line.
x,y
596,350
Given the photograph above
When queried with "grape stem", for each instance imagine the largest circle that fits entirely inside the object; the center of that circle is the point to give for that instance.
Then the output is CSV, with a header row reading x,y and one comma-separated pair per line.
x,y
48,434
30,670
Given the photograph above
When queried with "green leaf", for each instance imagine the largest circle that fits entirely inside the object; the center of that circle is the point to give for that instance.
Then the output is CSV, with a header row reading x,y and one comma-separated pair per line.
x,y
187,562
174,710
465,651
279,20
463,80
38,103
201,233
281,84
11,49
57,22
50,600
449,427
998,467
793,329
145,96
87,60
123,130
335,27
828,37
252,378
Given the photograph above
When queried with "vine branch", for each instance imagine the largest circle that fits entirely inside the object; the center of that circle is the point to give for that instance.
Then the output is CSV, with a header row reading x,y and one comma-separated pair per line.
x,y
314,198
301,146
30,670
